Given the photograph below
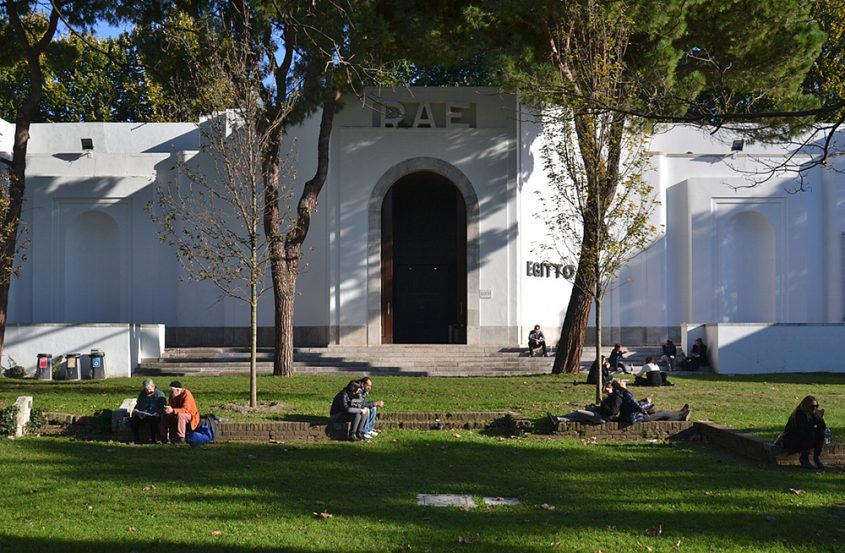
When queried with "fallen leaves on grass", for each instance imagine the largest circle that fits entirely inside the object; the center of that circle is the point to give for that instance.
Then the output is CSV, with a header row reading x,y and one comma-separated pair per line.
x,y
647,548
216,533
631,460
797,491
149,487
546,507
467,539
131,529
654,531
323,515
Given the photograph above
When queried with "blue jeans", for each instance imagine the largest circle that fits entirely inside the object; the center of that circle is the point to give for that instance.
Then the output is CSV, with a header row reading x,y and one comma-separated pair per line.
x,y
370,424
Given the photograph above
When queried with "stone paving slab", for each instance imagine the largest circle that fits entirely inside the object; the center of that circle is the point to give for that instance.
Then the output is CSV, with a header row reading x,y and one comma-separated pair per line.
x,y
496,501
445,500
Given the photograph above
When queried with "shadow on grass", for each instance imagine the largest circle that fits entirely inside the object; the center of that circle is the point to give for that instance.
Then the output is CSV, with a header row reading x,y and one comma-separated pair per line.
x,y
272,490
804,379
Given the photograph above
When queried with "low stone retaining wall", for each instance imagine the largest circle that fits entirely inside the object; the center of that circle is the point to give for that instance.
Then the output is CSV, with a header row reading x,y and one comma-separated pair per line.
x,y
758,449
711,434
658,430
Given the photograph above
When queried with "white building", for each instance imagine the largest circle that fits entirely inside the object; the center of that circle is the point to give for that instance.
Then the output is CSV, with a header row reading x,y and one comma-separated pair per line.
x,y
427,232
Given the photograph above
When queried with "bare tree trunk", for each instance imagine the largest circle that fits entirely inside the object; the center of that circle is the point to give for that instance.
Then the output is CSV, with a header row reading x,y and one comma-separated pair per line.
x,y
285,267
253,341
284,354
17,166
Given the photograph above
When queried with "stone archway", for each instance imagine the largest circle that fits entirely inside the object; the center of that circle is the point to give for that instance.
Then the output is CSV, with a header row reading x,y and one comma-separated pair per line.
x,y
374,241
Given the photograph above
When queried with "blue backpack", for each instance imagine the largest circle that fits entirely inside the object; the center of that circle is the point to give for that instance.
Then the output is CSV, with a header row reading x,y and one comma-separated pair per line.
x,y
205,433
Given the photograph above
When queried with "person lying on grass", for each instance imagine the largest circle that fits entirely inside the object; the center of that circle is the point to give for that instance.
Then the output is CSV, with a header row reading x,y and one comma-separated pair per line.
x,y
805,431
607,410
632,411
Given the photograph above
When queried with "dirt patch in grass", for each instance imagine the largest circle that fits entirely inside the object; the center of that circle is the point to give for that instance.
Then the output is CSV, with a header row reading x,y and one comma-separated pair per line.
x,y
263,408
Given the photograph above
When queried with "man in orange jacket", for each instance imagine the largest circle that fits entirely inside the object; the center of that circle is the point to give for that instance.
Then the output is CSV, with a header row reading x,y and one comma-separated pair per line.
x,y
180,415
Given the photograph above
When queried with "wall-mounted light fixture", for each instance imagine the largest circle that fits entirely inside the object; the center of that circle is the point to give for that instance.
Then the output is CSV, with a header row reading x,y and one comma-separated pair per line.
x,y
87,144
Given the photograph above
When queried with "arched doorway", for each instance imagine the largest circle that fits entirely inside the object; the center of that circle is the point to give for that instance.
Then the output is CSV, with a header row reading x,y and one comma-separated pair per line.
x,y
423,261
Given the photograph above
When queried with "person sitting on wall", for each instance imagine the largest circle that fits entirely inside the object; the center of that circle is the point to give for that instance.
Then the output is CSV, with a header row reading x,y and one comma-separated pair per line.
x,y
595,414
670,352
346,407
536,340
697,357
371,406
650,375
616,363
633,411
606,372
148,410
180,415
805,431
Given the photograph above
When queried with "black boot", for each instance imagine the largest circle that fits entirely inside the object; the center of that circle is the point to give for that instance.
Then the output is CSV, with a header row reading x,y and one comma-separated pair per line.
x,y
354,437
819,464
805,461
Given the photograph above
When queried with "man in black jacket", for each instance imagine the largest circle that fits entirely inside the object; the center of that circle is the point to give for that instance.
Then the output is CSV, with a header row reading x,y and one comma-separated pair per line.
x,y
536,340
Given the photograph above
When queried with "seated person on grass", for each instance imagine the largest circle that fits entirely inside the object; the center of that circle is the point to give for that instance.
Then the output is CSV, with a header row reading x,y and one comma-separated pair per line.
x,y
147,412
346,407
606,371
180,415
372,407
633,411
650,375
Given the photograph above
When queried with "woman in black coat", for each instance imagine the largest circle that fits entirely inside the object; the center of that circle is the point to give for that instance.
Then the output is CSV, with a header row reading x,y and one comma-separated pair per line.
x,y
805,431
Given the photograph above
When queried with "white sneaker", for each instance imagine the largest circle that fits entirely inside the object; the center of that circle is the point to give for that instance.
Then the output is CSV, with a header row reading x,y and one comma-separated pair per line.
x,y
372,433
367,436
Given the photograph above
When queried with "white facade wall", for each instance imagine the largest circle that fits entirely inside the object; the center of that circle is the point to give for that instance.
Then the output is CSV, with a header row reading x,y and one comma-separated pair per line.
x,y
727,252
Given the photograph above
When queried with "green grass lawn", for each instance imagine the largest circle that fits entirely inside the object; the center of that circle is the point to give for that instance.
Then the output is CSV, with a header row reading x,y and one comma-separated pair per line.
x,y
70,496
759,403
65,495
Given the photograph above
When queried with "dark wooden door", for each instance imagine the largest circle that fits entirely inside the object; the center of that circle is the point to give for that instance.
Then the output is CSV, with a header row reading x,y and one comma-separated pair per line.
x,y
423,262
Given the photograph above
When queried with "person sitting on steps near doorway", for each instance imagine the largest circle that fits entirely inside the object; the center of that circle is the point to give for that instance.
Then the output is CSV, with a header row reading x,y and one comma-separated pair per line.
x,y
536,340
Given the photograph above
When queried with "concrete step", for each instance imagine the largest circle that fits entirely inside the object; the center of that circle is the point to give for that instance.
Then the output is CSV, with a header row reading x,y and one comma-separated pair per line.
x,y
399,359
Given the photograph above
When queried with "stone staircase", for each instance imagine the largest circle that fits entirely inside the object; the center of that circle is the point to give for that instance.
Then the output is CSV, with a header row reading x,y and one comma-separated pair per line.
x,y
399,359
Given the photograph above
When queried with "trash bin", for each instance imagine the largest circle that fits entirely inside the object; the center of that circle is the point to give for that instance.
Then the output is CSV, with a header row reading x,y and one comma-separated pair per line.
x,y
44,366
71,367
98,363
